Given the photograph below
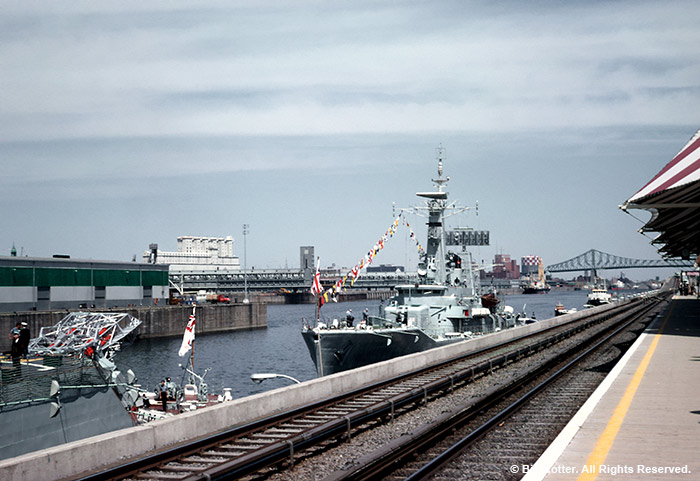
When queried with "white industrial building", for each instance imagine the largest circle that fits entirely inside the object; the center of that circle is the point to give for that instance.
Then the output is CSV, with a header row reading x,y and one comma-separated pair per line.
x,y
196,253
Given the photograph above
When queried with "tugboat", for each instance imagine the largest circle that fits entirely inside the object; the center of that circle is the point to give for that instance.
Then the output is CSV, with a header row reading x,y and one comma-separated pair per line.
x,y
445,305
599,295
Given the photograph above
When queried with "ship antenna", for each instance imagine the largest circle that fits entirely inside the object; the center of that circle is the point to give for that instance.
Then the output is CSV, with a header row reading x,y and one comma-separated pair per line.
x,y
440,181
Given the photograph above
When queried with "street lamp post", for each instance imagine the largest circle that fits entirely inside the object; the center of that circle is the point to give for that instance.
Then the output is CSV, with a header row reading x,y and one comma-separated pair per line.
x,y
245,262
260,377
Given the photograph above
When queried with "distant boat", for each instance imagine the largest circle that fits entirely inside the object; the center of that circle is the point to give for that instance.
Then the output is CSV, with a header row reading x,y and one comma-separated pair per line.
x,y
599,295
522,319
539,286
560,310
489,300
535,288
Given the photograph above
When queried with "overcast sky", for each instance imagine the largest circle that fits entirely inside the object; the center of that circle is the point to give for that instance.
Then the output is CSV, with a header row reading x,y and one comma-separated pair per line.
x,y
126,123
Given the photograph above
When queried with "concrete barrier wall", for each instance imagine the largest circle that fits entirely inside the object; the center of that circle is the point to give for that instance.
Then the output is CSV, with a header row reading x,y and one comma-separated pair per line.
x,y
161,321
69,460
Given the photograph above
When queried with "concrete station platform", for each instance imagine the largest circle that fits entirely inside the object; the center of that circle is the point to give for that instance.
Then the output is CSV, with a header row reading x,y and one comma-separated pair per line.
x,y
643,422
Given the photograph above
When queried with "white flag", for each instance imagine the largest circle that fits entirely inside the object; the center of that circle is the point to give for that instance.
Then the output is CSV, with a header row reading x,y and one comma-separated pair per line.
x,y
316,286
188,338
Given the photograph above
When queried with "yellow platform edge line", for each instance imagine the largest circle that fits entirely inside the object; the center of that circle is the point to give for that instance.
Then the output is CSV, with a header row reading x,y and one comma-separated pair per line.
x,y
607,438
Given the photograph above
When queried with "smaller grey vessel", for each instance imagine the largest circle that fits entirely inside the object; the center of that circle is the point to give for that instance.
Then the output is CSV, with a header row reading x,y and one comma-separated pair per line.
x,y
68,389
445,305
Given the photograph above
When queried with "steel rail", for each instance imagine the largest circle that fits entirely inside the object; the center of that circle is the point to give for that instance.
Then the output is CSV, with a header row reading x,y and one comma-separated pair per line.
x,y
451,453
378,465
285,449
437,463
273,453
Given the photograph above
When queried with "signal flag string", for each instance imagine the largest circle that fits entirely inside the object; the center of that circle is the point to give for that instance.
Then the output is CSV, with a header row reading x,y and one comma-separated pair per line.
x,y
332,292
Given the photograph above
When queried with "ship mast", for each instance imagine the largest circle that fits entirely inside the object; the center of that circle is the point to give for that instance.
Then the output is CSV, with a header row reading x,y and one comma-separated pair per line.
x,y
440,181
441,274
433,266
433,269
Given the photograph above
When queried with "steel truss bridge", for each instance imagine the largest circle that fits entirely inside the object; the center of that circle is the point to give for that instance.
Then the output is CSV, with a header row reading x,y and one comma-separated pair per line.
x,y
595,259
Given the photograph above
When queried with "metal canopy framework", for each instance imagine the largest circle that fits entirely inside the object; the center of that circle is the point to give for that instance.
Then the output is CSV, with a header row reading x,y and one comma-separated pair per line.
x,y
595,259
80,331
673,198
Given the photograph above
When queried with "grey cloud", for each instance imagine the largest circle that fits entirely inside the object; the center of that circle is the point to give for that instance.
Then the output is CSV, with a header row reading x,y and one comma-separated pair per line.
x,y
328,95
644,65
661,92
214,99
612,97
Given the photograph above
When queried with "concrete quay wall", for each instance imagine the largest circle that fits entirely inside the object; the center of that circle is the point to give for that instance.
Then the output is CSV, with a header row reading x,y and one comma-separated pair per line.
x,y
72,459
158,321
171,320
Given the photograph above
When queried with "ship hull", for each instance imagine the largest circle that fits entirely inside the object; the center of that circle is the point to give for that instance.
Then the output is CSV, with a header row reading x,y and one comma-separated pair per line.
x,y
535,290
335,351
88,411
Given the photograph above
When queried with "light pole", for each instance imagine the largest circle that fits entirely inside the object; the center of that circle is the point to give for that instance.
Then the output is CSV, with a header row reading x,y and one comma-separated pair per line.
x,y
245,263
260,377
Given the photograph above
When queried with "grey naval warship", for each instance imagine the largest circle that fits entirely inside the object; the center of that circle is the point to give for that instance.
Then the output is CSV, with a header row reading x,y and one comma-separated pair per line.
x,y
445,305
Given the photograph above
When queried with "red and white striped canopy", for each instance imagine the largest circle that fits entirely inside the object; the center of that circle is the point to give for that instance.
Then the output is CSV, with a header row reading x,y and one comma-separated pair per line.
x,y
673,198
682,170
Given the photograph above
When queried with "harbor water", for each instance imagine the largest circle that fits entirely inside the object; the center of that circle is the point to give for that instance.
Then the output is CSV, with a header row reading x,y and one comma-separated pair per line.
x,y
233,356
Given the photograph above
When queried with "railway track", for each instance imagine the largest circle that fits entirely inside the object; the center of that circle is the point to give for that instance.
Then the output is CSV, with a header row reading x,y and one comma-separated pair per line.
x,y
285,439
505,430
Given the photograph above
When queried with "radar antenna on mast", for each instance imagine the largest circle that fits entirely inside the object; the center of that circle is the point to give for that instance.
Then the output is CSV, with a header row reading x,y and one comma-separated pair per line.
x,y
440,152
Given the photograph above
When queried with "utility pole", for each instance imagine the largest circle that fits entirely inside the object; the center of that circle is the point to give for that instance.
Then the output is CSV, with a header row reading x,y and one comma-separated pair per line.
x,y
245,263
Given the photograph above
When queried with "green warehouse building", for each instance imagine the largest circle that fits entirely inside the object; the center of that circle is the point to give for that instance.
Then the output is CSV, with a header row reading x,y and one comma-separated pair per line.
x,y
28,283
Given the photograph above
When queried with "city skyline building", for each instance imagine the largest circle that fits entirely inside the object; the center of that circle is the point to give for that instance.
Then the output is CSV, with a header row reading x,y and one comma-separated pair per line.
x,y
505,267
